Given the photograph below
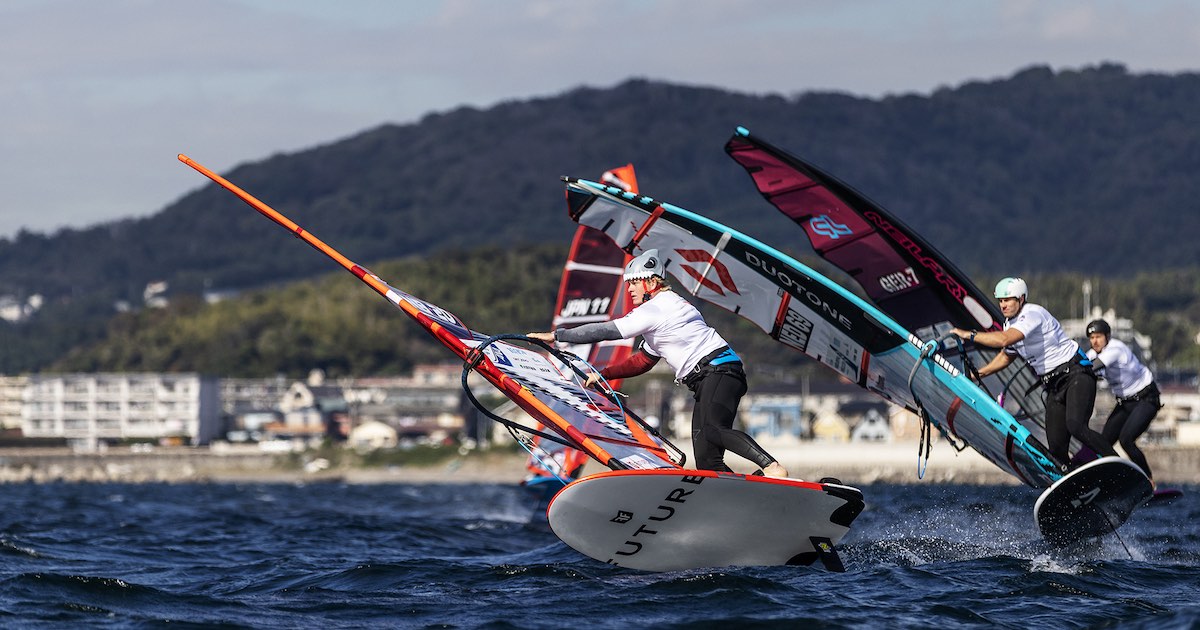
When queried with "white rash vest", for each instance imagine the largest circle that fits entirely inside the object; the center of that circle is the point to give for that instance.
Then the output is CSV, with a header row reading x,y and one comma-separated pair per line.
x,y
1126,375
673,329
1045,346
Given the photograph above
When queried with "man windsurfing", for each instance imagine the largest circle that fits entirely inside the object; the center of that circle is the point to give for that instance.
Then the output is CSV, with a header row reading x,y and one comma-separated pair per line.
x,y
1131,384
673,329
1031,332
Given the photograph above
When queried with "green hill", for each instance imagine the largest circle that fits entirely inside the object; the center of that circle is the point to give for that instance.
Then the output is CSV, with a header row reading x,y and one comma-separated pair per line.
x,y
1085,172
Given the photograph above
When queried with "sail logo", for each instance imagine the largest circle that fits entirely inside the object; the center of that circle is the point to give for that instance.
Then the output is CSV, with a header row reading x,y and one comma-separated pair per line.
x,y
708,265
900,238
666,508
497,356
826,226
819,304
795,330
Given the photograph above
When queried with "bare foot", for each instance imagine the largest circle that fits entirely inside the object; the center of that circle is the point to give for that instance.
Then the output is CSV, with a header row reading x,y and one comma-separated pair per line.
x,y
775,470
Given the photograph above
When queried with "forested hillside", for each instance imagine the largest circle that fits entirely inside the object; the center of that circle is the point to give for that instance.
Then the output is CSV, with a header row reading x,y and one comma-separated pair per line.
x,y
336,323
1088,172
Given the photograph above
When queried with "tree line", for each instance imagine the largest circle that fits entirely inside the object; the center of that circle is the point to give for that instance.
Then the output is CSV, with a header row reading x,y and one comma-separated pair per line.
x,y
336,323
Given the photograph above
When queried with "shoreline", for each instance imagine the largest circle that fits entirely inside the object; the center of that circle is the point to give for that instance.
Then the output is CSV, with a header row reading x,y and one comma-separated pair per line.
x,y
858,463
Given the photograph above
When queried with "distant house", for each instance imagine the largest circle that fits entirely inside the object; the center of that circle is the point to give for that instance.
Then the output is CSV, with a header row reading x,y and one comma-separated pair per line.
x,y
872,427
311,410
372,435
821,410
830,427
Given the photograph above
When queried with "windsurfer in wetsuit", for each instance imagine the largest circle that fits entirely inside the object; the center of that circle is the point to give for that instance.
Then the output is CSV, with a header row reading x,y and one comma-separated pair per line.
x,y
1031,332
1132,385
672,329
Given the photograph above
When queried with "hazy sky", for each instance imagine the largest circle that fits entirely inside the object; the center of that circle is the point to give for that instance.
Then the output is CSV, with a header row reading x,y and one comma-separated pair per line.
x,y
98,96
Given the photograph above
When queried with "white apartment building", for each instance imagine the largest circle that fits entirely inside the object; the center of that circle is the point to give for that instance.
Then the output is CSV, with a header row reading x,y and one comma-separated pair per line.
x,y
94,407
12,395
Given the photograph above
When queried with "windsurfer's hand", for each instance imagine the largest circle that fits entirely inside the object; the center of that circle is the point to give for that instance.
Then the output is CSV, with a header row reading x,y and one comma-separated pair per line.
x,y
592,379
963,334
547,337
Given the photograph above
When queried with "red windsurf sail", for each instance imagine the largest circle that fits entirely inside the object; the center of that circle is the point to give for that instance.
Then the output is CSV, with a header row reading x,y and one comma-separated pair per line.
x,y
901,273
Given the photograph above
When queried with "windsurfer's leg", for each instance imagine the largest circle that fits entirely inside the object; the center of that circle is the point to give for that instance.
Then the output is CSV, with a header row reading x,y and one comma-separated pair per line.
x,y
1115,422
709,453
1140,416
1058,439
721,393
1081,398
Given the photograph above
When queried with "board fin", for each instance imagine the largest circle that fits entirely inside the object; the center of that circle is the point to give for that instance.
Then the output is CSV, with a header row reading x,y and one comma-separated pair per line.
x,y
827,554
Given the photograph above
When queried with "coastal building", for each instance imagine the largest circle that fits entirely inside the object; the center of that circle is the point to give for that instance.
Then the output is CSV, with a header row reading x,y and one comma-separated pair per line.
x,y
248,405
12,393
89,409
372,435
821,409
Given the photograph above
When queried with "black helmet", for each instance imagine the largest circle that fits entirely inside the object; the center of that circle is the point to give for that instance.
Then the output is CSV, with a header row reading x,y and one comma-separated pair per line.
x,y
1099,326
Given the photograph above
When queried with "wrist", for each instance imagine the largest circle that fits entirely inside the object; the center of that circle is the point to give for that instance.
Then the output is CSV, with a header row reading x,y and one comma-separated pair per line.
x,y
973,333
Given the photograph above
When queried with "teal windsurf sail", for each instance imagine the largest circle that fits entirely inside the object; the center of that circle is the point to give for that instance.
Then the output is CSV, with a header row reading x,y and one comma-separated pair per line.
x,y
805,311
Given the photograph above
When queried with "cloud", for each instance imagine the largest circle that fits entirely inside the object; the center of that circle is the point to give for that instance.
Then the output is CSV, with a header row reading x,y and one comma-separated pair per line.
x,y
106,93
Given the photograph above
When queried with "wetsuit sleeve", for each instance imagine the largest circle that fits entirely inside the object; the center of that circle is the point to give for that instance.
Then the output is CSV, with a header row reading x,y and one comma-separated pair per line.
x,y
588,333
637,363
1097,362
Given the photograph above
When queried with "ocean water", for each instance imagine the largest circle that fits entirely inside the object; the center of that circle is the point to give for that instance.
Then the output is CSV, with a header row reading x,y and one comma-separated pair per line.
x,y
331,555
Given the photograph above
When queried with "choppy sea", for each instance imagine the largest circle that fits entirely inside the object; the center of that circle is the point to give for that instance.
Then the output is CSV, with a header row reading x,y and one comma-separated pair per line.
x,y
330,555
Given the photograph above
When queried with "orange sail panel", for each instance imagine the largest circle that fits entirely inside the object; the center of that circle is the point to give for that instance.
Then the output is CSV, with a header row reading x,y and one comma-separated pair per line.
x,y
591,423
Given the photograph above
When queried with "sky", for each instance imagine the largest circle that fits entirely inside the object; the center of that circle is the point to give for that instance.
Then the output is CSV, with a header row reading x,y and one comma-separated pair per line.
x,y
98,97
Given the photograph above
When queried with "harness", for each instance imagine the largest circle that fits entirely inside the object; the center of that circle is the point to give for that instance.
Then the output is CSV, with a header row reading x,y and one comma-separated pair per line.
x,y
1052,379
723,356
1148,391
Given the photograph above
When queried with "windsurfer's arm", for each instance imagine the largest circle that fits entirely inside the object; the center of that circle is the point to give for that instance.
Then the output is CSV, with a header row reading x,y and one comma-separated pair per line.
x,y
999,362
991,338
587,333
635,364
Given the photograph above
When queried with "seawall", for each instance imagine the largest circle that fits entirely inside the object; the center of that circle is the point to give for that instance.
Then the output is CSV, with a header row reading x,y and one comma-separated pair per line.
x,y
852,463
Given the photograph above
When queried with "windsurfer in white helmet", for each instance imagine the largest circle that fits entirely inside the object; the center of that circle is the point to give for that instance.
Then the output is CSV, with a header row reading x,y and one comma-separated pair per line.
x,y
672,329
1031,332
1131,384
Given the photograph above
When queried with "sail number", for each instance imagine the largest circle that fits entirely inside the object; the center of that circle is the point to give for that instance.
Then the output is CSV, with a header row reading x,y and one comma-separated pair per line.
x,y
899,280
576,307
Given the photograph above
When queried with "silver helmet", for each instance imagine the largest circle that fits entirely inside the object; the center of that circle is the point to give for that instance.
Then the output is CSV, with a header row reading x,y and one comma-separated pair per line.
x,y
644,266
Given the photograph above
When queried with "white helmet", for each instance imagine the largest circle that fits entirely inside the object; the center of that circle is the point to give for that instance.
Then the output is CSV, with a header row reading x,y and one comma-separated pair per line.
x,y
1011,288
644,266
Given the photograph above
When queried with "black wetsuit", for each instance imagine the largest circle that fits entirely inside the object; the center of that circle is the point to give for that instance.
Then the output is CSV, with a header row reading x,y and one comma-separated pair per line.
x,y
718,389
1070,398
1129,419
